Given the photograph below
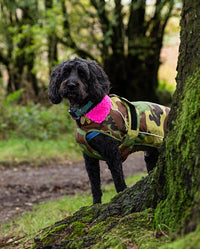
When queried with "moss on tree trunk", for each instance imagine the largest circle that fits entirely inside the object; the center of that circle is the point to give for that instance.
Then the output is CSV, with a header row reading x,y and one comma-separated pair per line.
x,y
179,166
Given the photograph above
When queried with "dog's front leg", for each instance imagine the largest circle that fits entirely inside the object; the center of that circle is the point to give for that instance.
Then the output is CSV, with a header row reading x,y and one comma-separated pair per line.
x,y
93,170
108,148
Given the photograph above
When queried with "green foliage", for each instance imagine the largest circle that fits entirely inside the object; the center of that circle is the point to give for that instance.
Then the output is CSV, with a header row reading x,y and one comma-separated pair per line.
x,y
13,97
33,37
164,93
34,133
163,85
33,121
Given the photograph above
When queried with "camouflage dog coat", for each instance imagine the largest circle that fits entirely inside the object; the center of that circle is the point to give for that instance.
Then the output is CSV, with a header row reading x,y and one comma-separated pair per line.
x,y
130,123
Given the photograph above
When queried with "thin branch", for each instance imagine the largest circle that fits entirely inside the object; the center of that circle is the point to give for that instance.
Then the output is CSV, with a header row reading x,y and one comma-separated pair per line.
x,y
82,53
67,34
167,16
3,59
105,24
136,18
102,14
94,3
87,12
118,27
157,18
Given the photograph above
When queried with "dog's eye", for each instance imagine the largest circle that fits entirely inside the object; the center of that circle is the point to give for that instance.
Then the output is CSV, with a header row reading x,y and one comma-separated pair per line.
x,y
66,72
81,73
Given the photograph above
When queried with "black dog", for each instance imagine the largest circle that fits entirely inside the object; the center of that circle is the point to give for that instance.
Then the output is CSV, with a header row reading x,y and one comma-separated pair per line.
x,y
108,128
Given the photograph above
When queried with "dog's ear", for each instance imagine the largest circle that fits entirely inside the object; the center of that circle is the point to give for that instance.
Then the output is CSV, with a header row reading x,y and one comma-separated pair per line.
x,y
55,81
98,78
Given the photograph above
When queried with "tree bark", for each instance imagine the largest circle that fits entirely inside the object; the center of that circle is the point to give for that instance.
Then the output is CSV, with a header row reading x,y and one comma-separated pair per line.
x,y
179,166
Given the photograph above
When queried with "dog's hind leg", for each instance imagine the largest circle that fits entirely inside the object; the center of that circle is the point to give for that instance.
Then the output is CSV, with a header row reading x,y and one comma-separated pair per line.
x,y
93,170
151,158
108,148
115,167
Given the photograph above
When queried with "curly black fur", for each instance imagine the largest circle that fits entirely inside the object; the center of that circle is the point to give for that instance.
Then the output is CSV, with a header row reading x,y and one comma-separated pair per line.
x,y
81,81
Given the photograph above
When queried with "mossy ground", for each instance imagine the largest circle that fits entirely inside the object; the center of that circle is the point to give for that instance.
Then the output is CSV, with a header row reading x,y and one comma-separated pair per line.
x,y
85,229
191,241
131,231
125,222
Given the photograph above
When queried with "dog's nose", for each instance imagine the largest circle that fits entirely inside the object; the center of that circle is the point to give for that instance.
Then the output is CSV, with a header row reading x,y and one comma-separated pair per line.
x,y
71,85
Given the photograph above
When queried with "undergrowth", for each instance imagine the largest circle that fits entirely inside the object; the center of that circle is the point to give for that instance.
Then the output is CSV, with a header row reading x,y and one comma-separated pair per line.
x,y
33,121
34,133
17,151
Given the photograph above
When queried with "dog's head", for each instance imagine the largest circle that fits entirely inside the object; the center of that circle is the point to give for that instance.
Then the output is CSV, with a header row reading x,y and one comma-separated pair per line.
x,y
79,81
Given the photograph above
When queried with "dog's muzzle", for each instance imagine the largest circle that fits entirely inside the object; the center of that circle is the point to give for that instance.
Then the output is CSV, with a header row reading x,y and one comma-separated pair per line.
x,y
69,89
71,86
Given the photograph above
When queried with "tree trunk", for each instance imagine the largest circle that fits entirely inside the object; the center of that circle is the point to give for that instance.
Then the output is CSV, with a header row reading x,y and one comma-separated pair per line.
x,y
133,77
179,166
52,42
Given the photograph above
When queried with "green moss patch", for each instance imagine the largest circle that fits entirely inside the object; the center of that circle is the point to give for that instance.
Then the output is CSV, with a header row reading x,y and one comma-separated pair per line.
x,y
132,231
182,167
190,241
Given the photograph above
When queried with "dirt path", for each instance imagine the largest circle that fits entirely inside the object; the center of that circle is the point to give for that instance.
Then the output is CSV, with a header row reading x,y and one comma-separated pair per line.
x,y
23,186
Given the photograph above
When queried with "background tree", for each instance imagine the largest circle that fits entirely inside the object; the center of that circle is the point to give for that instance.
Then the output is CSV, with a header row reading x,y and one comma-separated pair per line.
x,y
129,39
52,41
18,52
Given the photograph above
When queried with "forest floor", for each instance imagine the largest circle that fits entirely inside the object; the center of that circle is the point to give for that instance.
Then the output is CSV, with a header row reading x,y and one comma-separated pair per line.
x,y
23,186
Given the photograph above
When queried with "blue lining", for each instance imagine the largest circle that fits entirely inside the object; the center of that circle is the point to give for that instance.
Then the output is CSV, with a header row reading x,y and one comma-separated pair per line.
x,y
91,135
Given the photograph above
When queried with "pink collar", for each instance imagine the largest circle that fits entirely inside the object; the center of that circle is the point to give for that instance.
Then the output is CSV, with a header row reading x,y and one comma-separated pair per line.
x,y
101,111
